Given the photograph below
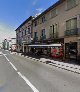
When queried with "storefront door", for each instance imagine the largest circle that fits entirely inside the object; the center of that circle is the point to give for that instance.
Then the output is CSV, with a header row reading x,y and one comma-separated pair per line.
x,y
71,50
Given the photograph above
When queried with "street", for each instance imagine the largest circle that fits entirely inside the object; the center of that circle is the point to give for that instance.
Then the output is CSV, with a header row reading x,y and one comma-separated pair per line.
x,y
19,74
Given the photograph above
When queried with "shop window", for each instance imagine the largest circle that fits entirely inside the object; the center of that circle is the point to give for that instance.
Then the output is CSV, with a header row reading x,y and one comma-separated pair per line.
x,y
71,50
57,52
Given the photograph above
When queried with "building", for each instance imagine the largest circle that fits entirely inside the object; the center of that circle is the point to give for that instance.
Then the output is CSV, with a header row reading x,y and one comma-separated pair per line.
x,y
13,44
6,44
24,35
9,44
0,45
59,24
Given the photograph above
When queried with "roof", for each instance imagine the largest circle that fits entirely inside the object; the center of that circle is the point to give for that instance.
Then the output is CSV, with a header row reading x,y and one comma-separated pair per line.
x,y
50,8
24,22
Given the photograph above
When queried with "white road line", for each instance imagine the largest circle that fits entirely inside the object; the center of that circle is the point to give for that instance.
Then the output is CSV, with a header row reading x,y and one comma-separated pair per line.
x,y
22,76
28,82
10,62
5,57
13,66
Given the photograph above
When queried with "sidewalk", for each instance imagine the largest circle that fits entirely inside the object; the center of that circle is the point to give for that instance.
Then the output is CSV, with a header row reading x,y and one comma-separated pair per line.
x,y
66,65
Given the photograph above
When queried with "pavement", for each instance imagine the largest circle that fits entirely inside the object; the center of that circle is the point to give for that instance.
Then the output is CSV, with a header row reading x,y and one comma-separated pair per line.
x,y
19,73
57,63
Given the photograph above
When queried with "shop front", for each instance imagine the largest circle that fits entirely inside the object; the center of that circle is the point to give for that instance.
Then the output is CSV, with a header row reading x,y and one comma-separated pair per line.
x,y
52,50
71,50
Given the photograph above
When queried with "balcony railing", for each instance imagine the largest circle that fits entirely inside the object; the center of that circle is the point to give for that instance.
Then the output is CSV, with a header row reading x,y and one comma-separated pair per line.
x,y
55,35
71,32
43,37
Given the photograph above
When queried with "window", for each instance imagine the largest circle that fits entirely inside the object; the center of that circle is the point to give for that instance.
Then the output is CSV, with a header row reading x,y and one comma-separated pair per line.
x,y
35,23
25,32
71,4
28,30
43,19
22,34
54,31
43,34
53,13
51,32
71,26
35,34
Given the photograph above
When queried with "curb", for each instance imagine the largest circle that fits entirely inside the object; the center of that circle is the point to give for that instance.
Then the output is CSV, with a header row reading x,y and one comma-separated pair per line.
x,y
65,66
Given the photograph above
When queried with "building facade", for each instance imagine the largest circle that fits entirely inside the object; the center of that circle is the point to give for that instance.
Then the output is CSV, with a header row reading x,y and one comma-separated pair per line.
x,y
6,44
13,44
24,35
59,24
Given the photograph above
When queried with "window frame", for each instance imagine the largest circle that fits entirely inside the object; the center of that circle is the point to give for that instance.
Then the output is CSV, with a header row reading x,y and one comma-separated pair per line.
x,y
70,6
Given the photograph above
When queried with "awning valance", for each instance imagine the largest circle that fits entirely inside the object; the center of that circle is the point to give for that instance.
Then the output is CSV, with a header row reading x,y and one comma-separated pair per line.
x,y
47,45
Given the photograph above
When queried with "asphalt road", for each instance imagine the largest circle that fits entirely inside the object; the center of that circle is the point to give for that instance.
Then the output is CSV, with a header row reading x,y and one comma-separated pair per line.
x,y
19,74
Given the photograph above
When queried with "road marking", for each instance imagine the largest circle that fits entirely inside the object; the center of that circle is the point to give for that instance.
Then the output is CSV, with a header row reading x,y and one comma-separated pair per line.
x,y
22,76
5,56
28,82
13,66
10,62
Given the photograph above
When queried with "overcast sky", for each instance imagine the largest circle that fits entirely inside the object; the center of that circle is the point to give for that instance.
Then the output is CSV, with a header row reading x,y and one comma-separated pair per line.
x,y
14,12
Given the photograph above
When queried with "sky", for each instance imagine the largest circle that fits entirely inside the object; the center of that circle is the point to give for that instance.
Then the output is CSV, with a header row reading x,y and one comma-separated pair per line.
x,y
15,12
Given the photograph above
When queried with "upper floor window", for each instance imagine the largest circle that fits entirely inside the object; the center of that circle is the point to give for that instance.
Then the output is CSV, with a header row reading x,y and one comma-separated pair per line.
x,y
71,27
71,4
43,36
35,23
53,13
35,34
71,24
54,31
29,31
43,32
43,19
25,32
22,34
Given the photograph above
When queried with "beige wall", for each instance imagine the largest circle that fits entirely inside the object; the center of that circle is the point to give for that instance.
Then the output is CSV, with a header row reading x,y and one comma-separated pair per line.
x,y
60,19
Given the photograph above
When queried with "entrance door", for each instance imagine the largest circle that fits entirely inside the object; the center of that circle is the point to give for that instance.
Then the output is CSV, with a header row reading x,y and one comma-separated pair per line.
x,y
71,50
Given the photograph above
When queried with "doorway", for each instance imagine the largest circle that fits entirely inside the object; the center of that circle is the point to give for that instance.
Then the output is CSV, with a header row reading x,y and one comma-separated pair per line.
x,y
71,50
